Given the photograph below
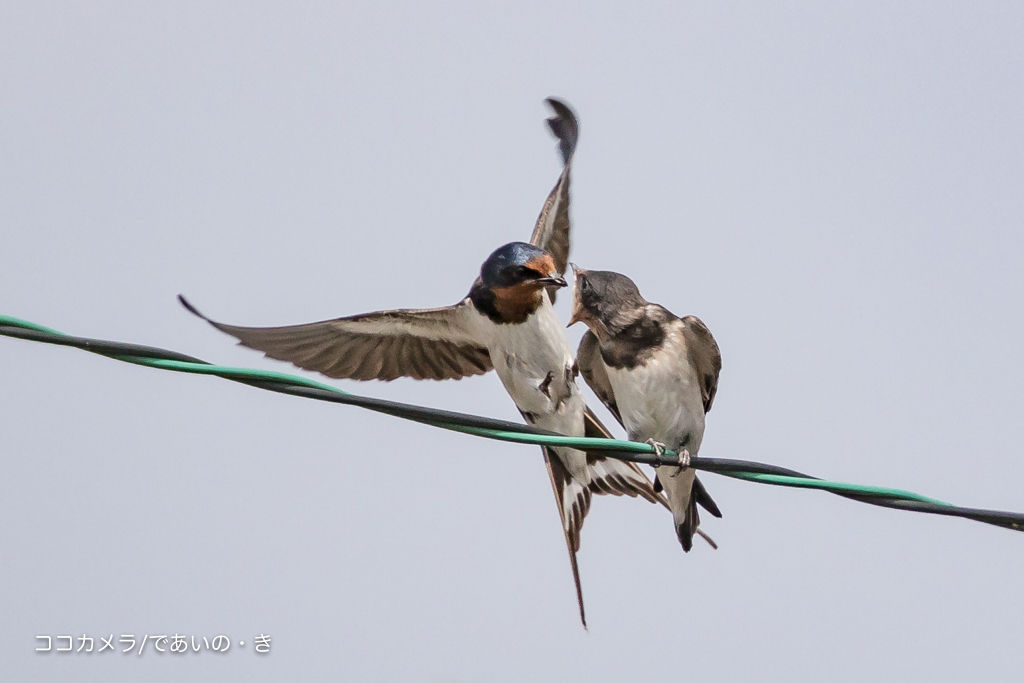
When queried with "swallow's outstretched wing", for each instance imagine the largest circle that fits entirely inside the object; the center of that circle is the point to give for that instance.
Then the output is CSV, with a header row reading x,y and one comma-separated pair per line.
x,y
595,373
552,230
436,343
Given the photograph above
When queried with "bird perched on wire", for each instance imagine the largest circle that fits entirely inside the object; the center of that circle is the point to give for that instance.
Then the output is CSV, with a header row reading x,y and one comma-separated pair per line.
x,y
505,323
657,373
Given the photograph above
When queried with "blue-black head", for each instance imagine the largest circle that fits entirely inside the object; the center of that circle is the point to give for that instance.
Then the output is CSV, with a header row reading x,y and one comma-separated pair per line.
x,y
512,282
520,264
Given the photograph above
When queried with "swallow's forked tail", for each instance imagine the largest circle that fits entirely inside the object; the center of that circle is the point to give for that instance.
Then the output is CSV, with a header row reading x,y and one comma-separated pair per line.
x,y
573,500
689,522
685,491
687,526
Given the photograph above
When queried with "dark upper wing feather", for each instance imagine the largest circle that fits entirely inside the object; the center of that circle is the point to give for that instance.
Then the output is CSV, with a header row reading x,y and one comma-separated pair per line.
x,y
595,373
552,230
435,343
704,356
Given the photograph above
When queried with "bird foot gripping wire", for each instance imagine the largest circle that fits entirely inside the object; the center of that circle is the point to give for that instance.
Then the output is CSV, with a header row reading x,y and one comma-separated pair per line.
x,y
659,449
682,459
684,462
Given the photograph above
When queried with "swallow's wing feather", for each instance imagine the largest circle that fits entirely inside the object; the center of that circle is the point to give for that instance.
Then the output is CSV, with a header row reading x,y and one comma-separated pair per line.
x,y
704,356
552,230
595,373
435,343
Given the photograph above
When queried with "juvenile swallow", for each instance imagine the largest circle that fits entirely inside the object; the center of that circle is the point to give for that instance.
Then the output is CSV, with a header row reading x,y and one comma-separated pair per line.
x,y
505,323
657,374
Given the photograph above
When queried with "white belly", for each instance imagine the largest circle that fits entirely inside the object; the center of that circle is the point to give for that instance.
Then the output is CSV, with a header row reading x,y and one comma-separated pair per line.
x,y
534,362
661,400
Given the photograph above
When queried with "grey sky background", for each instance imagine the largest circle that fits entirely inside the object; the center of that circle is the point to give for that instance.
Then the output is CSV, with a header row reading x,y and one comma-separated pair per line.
x,y
835,189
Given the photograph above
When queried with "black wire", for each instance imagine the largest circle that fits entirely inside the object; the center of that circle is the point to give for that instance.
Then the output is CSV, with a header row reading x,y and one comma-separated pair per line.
x,y
419,413
1007,520
435,416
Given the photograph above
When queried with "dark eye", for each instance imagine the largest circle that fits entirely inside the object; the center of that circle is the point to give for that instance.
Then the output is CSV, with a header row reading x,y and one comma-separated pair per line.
x,y
584,285
526,272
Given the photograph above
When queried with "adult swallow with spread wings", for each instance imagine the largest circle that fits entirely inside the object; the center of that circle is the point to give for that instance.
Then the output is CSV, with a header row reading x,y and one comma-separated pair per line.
x,y
657,373
505,323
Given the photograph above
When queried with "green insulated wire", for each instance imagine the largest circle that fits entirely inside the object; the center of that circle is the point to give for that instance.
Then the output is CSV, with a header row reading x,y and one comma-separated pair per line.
x,y
501,430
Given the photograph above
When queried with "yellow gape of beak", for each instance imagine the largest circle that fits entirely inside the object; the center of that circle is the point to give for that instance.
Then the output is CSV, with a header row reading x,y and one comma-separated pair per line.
x,y
578,313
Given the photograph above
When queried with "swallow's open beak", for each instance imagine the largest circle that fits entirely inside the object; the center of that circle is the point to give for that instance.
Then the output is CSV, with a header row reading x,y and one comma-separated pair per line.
x,y
577,309
578,313
553,281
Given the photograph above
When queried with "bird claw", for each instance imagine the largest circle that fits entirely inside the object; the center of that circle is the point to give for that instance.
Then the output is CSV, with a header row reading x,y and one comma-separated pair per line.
x,y
659,448
684,462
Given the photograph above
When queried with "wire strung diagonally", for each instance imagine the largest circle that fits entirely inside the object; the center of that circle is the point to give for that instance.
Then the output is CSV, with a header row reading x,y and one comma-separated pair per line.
x,y
501,430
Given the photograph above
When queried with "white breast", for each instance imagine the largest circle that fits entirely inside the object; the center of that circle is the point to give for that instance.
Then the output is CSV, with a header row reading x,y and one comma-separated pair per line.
x,y
661,400
525,356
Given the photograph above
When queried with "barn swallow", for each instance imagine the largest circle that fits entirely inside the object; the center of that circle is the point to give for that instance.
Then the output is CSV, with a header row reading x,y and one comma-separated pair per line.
x,y
657,374
505,323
